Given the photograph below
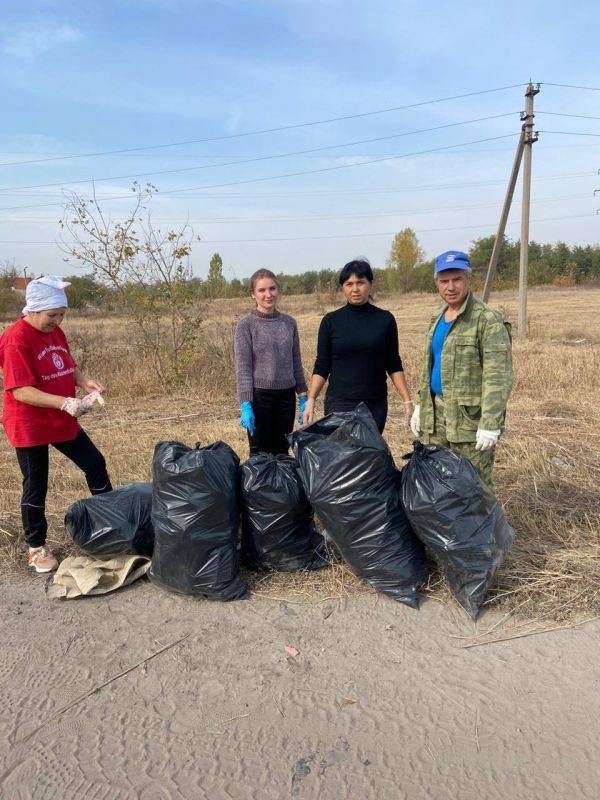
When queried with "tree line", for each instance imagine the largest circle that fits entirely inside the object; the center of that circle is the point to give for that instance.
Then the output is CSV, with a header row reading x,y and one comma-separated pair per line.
x,y
405,271
135,268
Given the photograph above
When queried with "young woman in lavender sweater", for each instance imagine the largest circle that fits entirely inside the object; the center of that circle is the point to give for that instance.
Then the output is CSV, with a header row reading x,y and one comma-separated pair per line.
x,y
268,369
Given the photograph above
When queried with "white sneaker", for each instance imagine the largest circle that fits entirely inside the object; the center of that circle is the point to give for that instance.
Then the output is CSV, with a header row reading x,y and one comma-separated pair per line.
x,y
41,559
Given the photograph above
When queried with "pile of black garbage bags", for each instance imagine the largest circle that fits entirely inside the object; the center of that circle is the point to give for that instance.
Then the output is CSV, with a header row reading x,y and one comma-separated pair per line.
x,y
379,519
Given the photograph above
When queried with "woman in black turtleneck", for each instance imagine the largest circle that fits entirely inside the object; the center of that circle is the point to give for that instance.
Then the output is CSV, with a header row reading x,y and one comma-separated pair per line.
x,y
357,348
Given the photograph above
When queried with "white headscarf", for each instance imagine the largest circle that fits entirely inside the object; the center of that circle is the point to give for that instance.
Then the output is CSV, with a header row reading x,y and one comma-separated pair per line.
x,y
44,294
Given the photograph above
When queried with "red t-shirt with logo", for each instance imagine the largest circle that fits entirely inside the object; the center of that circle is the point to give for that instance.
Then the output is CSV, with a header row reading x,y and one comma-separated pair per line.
x,y
29,357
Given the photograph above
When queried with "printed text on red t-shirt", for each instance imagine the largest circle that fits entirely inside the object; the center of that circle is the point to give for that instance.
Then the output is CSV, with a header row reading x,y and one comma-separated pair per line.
x,y
57,360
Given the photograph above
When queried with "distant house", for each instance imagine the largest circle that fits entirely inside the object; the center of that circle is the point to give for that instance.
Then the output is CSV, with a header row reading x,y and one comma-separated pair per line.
x,y
20,284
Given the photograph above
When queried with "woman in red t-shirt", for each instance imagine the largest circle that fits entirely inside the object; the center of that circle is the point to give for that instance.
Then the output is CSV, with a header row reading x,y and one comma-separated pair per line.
x,y
39,408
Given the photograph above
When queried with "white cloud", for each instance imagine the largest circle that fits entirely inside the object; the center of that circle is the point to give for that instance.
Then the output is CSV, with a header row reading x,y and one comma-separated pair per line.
x,y
30,41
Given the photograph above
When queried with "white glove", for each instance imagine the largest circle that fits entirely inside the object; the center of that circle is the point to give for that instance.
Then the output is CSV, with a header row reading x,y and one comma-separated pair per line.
x,y
76,407
486,439
415,421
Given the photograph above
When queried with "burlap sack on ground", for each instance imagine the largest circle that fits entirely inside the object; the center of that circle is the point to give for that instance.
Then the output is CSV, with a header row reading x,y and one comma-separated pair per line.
x,y
83,575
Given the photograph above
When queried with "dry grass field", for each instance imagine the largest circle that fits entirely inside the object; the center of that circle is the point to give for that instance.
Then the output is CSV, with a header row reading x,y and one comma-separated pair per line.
x,y
548,463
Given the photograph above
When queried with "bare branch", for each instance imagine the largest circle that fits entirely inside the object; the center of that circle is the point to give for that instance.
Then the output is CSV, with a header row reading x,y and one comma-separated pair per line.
x,y
148,270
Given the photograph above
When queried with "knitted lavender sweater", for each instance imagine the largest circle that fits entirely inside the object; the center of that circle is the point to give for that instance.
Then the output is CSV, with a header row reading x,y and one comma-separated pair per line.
x,y
267,354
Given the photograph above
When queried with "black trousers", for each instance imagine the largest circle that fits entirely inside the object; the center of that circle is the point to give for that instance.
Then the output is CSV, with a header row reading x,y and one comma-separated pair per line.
x,y
378,408
274,412
33,462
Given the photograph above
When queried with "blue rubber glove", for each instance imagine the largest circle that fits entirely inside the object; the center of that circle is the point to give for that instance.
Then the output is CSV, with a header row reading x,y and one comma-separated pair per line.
x,y
247,416
301,406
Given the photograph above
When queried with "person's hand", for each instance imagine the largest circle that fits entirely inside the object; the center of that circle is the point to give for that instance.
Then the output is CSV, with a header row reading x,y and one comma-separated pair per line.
x,y
71,406
88,385
309,411
247,420
301,406
77,408
409,410
415,421
485,440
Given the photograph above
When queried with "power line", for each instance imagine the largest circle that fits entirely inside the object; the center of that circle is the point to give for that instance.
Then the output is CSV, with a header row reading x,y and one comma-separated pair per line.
x,y
331,169
258,158
279,129
340,166
560,114
192,156
326,192
386,233
571,133
571,86
21,192
317,217
395,189
345,235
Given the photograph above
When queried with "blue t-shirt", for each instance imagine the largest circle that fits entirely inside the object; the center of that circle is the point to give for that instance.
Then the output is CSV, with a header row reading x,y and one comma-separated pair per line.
x,y
439,337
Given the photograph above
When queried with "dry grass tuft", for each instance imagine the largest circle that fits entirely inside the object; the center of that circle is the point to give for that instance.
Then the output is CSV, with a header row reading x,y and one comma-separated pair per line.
x,y
548,464
333,583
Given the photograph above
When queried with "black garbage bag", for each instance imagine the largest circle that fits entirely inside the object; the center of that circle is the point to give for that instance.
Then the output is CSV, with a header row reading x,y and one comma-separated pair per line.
x,y
458,518
114,523
278,531
353,485
195,512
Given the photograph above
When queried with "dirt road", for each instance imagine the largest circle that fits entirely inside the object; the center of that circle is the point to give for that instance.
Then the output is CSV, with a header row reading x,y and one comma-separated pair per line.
x,y
381,702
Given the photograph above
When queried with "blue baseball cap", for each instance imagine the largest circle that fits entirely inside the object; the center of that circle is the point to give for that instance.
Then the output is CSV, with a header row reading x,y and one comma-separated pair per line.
x,y
451,259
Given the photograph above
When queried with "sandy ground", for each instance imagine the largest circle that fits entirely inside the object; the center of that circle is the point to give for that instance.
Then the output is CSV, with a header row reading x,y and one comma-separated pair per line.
x,y
381,702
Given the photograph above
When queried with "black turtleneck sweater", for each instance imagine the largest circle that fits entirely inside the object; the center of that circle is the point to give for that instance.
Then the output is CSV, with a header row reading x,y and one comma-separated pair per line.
x,y
357,346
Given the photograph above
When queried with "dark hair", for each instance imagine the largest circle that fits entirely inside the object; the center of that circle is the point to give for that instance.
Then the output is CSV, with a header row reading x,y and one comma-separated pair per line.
x,y
359,267
262,273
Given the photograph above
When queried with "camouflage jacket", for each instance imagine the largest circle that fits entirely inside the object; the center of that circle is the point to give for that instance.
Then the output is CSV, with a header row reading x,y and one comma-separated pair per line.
x,y
476,372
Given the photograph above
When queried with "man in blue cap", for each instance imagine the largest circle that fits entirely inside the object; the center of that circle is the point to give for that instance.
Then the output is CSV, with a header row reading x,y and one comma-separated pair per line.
x,y
467,373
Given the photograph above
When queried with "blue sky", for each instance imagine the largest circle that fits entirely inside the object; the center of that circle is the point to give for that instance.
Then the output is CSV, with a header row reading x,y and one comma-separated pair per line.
x,y
90,76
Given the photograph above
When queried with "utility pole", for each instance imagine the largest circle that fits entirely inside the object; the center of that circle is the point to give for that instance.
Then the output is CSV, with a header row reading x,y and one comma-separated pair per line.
x,y
491,273
530,137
